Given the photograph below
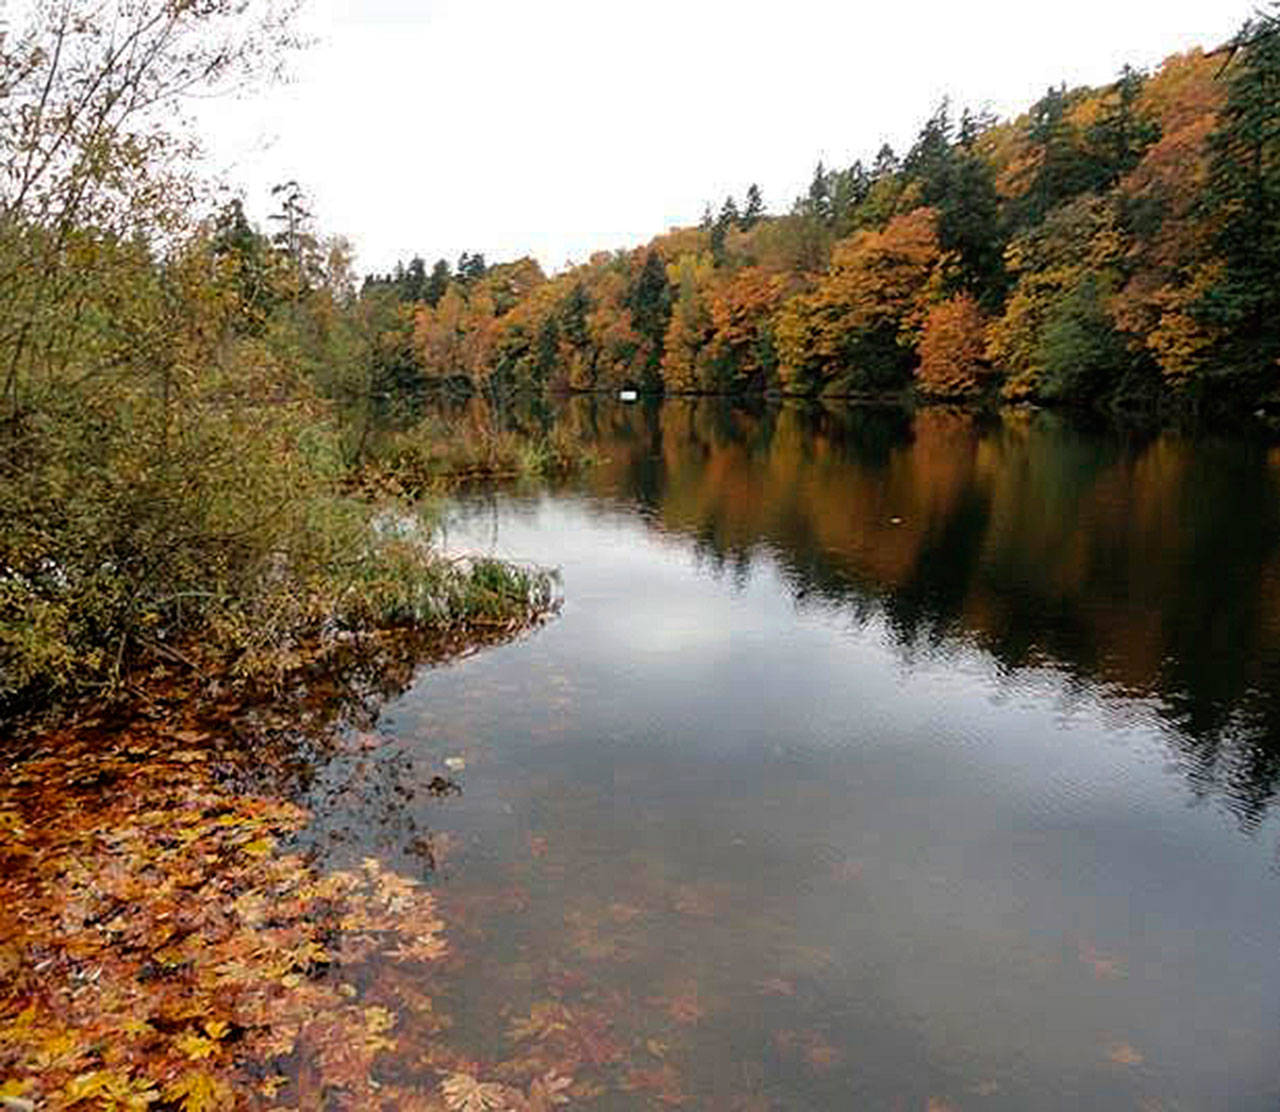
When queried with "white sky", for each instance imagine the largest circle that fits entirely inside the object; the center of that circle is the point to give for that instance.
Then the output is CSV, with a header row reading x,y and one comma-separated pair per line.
x,y
562,127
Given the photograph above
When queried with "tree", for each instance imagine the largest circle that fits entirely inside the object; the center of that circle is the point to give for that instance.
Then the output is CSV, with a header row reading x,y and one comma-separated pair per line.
x,y
91,93
817,203
849,189
248,256
437,283
741,347
930,162
953,349
1079,243
856,330
650,304
727,219
754,208
1244,188
1120,135
969,226
414,285
1173,260
1080,351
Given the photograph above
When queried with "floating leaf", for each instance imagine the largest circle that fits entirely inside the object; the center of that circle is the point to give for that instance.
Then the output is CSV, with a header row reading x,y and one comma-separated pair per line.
x,y
1122,1054
464,1093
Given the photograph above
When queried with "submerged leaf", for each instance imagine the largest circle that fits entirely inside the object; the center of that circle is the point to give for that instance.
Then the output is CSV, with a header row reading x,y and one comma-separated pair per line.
x,y
464,1093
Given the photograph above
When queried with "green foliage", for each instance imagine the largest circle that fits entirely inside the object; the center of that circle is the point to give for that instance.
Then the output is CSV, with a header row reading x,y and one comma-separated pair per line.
x,y
182,402
1080,350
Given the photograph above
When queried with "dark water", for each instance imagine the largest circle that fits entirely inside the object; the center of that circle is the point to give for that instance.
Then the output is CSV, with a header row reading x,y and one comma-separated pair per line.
x,y
873,761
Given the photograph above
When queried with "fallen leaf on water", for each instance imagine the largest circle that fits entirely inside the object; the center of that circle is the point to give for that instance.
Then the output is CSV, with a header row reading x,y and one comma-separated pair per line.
x,y
1105,966
548,1091
624,912
690,900
846,871
1122,1054
820,1054
464,1093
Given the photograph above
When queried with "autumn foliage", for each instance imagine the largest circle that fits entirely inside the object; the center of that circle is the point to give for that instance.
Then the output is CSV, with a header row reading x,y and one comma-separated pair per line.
x,y
953,349
1103,240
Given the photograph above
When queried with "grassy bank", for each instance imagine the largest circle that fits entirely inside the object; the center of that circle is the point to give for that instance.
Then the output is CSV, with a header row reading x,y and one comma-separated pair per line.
x,y
436,455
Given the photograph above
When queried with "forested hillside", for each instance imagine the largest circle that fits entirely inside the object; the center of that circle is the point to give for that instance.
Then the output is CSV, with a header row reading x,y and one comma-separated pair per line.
x,y
1116,245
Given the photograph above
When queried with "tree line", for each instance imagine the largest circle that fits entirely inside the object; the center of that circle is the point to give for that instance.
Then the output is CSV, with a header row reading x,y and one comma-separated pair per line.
x,y
1115,246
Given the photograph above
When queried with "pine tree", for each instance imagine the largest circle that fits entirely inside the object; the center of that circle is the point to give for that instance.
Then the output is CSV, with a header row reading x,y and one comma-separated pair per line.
x,y
818,203
886,164
650,303
413,286
929,161
1120,136
438,283
754,209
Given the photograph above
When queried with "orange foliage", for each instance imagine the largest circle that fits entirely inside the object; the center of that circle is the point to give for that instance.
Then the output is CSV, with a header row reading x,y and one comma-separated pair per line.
x,y
741,308
952,348
1172,262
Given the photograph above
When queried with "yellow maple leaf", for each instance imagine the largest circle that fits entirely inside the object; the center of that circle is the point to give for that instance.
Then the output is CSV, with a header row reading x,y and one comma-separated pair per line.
x,y
216,1028
199,1091
195,1046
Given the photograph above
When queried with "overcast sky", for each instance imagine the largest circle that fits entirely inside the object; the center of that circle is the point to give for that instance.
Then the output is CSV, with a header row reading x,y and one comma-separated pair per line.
x,y
561,127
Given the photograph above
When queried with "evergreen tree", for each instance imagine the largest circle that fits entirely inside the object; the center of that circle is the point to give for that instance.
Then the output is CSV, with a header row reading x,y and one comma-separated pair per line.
x,y
413,286
438,283
294,238
1065,168
573,316
886,164
234,238
1120,136
848,190
969,226
818,202
754,209
930,161
650,303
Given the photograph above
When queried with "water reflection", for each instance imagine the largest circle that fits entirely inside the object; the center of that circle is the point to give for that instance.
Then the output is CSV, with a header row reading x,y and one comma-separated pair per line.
x,y
1146,565
842,778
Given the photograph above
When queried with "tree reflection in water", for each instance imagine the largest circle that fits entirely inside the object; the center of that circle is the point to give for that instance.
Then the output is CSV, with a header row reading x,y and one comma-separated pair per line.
x,y
1143,564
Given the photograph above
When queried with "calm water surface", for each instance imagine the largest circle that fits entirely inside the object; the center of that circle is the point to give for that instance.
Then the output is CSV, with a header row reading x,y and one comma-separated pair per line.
x,y
872,761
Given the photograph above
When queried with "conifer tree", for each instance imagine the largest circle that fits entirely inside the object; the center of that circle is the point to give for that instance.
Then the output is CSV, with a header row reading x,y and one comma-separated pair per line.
x,y
437,283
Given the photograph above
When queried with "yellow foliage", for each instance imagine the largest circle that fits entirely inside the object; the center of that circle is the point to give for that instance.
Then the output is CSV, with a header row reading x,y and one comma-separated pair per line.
x,y
878,280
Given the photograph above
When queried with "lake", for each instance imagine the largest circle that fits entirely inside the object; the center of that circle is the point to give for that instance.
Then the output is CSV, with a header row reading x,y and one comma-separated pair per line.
x,y
874,761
